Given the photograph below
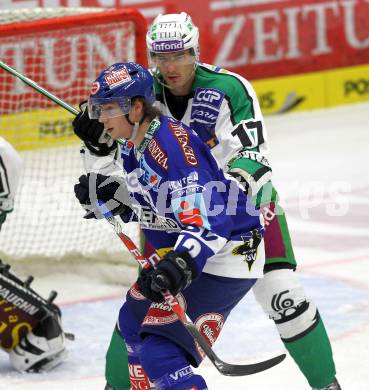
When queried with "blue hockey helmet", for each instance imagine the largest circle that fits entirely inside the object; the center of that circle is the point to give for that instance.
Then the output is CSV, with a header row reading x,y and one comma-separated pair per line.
x,y
119,84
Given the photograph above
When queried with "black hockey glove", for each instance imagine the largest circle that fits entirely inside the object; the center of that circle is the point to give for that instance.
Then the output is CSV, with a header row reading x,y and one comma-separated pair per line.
x,y
175,272
91,132
113,193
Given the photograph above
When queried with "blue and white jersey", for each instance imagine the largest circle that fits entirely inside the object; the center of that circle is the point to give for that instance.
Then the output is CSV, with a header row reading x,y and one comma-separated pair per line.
x,y
182,200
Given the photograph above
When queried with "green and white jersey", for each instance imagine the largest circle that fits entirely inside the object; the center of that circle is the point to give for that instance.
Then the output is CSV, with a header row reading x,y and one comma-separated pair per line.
x,y
224,111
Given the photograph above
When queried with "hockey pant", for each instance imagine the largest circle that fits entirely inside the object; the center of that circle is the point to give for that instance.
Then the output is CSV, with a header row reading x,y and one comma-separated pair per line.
x,y
158,341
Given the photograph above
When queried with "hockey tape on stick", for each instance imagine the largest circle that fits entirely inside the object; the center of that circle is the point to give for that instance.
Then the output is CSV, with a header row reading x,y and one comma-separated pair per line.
x,y
223,367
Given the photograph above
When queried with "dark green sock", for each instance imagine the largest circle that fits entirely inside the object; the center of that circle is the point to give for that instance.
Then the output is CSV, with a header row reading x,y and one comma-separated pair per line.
x,y
313,355
116,367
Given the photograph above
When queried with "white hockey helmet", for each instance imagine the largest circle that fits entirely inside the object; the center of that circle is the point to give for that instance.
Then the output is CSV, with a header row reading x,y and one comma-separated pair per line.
x,y
171,33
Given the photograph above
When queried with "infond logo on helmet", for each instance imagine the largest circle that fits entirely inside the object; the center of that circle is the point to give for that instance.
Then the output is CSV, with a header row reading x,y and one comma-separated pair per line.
x,y
118,77
167,46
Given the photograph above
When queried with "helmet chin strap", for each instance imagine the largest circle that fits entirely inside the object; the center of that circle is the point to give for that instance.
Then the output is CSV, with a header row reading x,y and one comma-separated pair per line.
x,y
135,125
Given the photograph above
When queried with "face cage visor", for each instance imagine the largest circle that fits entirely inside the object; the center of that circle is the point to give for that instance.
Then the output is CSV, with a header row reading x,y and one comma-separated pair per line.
x,y
183,57
108,107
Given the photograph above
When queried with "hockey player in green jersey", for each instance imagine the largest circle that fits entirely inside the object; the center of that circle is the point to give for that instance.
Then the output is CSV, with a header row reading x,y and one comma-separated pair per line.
x,y
223,109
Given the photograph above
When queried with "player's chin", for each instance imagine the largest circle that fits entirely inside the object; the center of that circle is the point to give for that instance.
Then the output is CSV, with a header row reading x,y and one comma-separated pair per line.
x,y
173,81
119,134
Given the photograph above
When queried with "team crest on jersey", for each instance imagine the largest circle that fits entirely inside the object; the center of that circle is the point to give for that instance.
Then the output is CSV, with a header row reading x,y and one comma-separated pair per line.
x,y
249,248
162,313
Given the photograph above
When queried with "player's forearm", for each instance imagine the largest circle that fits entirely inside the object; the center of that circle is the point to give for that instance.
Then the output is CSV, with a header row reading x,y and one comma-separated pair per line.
x,y
251,169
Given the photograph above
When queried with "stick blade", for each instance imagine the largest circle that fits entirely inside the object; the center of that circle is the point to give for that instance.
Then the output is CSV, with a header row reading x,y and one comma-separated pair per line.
x,y
247,369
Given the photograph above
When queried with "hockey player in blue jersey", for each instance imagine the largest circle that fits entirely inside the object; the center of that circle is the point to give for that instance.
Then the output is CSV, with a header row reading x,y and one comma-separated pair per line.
x,y
209,236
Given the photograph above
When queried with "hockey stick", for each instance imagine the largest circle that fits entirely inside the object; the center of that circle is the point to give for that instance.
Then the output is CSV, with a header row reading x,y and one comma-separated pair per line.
x,y
38,88
223,367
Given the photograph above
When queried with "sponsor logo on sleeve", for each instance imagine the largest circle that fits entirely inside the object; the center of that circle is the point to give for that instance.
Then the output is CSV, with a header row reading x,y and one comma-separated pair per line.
x,y
182,137
149,177
151,220
158,154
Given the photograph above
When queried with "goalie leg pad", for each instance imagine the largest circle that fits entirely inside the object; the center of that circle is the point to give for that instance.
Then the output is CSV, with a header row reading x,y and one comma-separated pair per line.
x,y
283,298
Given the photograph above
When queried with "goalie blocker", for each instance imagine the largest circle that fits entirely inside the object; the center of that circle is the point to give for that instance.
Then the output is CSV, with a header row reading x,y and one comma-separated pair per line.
x,y
30,326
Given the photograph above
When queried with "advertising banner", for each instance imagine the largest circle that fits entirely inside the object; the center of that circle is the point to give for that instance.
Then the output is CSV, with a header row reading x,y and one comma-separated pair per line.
x,y
299,54
261,38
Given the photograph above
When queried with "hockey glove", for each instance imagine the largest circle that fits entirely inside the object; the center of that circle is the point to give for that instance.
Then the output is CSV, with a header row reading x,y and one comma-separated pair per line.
x,y
113,193
41,349
174,272
92,133
31,327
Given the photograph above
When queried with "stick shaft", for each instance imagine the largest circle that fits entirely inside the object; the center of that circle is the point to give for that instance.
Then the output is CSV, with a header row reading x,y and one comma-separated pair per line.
x,y
38,88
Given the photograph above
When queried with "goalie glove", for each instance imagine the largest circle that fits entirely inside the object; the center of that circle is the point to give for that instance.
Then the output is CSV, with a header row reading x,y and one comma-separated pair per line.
x,y
41,349
109,189
174,272
30,325
92,133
